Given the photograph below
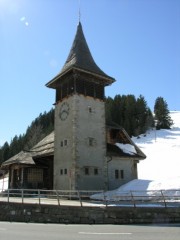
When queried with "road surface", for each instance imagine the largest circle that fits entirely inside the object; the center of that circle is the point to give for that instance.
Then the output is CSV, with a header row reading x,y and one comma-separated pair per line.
x,y
33,231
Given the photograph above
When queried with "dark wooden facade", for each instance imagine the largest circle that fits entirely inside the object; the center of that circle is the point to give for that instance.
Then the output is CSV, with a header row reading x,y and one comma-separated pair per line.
x,y
32,169
37,176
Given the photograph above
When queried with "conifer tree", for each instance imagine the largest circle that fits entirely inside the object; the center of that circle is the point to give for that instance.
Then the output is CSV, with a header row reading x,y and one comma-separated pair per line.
x,y
162,114
144,116
108,109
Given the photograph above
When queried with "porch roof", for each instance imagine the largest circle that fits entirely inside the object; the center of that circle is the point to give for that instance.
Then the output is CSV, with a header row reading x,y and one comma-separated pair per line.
x,y
44,148
20,158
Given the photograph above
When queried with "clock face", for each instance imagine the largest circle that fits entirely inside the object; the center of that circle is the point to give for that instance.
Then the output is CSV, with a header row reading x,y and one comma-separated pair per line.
x,y
64,111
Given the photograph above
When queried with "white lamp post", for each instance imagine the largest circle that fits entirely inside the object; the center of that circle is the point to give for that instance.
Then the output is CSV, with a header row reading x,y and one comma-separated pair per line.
x,y
155,124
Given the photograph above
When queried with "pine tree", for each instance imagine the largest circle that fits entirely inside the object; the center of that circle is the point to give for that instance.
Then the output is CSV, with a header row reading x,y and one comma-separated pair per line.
x,y
144,115
5,152
162,114
108,109
130,114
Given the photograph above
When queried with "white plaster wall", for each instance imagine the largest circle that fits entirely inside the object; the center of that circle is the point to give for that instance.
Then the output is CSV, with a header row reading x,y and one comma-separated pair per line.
x,y
127,165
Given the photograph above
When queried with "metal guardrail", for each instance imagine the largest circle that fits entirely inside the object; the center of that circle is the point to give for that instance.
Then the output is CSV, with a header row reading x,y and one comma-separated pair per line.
x,y
161,198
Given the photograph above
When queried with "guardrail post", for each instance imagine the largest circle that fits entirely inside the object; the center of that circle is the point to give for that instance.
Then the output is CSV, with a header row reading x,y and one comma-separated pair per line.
x,y
58,197
22,195
165,204
105,198
80,198
133,200
8,195
39,196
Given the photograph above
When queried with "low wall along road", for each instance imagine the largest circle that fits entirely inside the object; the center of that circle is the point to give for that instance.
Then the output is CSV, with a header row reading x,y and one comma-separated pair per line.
x,y
44,206
44,213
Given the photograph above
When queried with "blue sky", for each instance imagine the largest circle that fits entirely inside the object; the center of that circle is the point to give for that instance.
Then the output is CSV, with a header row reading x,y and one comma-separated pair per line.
x,y
135,41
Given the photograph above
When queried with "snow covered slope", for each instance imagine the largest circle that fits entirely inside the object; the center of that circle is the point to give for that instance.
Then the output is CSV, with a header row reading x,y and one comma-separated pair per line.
x,y
162,148
161,169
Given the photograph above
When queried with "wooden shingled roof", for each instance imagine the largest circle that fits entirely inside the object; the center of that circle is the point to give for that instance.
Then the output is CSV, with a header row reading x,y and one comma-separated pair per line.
x,y
20,158
44,148
80,58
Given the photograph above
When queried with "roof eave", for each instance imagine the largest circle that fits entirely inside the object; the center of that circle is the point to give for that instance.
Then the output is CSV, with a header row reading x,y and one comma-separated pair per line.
x,y
52,84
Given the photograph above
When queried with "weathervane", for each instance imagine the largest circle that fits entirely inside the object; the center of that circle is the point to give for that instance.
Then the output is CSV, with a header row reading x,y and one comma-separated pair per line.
x,y
79,10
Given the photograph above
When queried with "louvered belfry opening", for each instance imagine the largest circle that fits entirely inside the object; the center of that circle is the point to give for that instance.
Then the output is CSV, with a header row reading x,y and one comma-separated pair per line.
x,y
80,84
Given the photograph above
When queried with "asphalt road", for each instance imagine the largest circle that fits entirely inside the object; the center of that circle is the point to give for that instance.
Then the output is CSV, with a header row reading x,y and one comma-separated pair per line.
x,y
32,231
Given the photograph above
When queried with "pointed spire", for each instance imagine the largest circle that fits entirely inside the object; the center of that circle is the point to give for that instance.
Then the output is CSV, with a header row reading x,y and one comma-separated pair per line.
x,y
80,55
80,58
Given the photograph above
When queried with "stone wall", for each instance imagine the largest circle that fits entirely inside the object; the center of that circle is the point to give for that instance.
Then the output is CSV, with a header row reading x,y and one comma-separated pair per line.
x,y
86,215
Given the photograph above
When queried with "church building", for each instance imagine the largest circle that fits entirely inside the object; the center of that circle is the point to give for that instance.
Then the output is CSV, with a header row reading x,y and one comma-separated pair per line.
x,y
86,152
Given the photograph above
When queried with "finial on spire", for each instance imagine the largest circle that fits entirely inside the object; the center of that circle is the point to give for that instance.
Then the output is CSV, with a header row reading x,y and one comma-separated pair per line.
x,y
79,10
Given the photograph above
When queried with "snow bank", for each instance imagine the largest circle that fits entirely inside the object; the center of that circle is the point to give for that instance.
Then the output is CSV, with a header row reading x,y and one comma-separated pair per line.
x,y
140,187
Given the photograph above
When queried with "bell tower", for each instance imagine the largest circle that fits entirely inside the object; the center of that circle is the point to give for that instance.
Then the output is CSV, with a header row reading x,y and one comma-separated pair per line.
x,y
80,132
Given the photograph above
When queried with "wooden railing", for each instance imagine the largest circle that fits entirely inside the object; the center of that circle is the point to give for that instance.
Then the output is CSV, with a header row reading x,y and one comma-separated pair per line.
x,y
161,198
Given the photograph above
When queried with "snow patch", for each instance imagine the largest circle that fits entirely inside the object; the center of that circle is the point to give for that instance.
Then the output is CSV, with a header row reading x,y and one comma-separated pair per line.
x,y
127,148
3,184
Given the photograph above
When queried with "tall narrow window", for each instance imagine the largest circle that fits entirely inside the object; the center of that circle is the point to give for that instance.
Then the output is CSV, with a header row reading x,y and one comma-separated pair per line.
x,y
90,109
122,174
116,174
91,141
95,171
65,142
86,171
